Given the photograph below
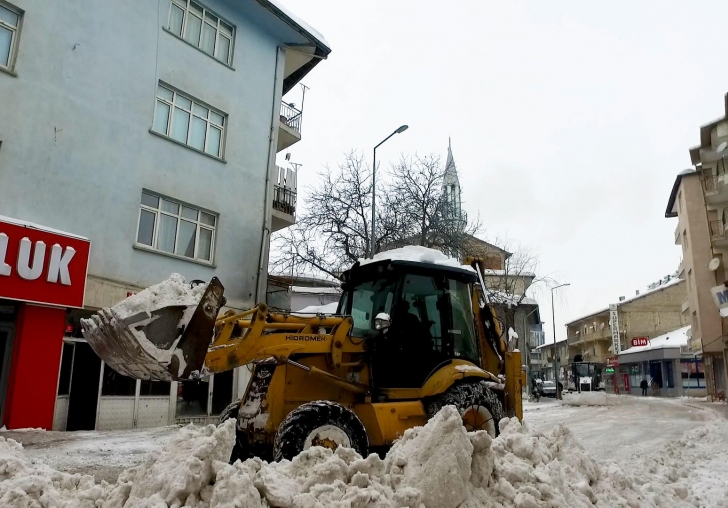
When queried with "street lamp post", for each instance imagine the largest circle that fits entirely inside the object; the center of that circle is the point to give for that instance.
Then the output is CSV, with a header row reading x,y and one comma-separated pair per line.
x,y
553,323
374,172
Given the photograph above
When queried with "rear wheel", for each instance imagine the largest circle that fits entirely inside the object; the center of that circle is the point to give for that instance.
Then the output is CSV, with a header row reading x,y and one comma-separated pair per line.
x,y
479,406
319,423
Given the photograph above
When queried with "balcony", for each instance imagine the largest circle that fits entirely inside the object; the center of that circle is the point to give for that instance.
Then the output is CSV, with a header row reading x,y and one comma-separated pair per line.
x,y
715,188
537,338
289,126
284,198
718,235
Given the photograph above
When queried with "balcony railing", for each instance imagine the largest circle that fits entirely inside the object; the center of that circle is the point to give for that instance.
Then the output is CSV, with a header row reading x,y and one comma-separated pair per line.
x,y
284,191
537,338
291,117
717,230
710,184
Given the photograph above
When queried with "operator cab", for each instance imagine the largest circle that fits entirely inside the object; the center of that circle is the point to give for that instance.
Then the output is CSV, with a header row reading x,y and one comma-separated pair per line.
x,y
430,318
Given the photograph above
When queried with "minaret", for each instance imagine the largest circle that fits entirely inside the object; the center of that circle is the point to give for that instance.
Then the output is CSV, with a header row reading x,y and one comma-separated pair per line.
x,y
451,185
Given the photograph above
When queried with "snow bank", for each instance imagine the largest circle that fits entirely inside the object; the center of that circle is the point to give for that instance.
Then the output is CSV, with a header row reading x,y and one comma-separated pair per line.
x,y
439,465
329,308
173,291
586,399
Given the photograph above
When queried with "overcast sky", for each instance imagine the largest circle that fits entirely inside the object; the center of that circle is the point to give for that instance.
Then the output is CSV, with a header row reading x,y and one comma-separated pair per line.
x,y
569,120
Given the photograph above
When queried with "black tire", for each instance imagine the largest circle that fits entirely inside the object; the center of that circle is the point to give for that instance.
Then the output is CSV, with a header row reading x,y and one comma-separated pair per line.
x,y
296,428
469,394
241,450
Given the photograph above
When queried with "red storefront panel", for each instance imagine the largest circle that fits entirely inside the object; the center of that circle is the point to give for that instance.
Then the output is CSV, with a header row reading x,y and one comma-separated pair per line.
x,y
41,265
31,395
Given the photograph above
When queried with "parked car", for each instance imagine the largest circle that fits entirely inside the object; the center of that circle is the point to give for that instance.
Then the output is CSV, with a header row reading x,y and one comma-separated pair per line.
x,y
548,389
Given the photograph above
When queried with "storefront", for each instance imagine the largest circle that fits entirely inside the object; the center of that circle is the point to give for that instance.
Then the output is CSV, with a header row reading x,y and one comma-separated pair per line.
x,y
42,273
669,369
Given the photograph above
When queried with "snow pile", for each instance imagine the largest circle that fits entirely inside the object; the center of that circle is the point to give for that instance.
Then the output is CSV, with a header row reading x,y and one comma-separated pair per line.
x,y
173,291
417,254
329,308
439,465
586,399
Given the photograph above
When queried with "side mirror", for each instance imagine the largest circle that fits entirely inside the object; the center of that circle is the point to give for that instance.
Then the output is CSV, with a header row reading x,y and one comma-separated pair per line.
x,y
382,321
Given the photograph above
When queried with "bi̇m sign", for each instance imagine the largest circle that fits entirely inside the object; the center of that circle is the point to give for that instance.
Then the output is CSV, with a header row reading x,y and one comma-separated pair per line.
x,y
42,266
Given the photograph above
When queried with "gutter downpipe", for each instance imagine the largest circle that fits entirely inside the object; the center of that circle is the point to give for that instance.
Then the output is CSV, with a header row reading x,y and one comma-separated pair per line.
x,y
262,283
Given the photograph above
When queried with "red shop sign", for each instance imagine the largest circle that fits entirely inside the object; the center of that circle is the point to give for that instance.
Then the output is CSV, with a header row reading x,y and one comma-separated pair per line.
x,y
41,265
613,362
640,341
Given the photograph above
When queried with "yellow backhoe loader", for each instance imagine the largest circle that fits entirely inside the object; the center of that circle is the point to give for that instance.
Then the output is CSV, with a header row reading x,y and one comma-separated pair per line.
x,y
408,338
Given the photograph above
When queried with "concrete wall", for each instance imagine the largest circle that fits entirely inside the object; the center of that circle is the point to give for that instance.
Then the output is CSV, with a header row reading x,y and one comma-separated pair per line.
x,y
302,300
76,148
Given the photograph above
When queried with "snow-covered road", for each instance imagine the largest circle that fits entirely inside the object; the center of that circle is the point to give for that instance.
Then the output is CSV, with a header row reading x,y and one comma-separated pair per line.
x,y
620,430
676,439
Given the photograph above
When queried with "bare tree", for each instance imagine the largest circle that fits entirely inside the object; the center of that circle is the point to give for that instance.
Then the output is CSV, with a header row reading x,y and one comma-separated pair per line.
x,y
334,230
509,288
429,218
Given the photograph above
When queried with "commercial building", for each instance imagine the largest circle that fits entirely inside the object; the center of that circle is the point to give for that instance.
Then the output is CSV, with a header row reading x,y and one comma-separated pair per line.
x,y
666,363
699,200
150,130
607,332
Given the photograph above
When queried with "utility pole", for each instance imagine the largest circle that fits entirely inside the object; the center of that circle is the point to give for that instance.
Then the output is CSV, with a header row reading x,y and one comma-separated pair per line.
x,y
553,323
401,129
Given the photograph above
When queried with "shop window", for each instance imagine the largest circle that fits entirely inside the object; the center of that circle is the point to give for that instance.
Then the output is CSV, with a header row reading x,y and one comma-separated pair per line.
x,y
117,385
222,391
64,380
692,373
192,397
155,388
670,379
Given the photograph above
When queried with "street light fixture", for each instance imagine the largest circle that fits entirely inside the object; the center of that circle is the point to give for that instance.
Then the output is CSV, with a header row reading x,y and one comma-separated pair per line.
x,y
553,323
400,130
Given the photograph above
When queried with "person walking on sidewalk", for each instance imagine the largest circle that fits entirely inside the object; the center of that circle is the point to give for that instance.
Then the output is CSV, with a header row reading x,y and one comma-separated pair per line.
x,y
644,385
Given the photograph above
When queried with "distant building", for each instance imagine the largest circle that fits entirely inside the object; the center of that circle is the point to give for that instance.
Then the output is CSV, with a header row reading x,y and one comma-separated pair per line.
x,y
645,315
296,293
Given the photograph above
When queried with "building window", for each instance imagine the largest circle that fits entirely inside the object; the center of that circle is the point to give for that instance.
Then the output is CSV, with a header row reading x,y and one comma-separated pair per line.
x,y
685,240
189,122
176,228
9,30
204,30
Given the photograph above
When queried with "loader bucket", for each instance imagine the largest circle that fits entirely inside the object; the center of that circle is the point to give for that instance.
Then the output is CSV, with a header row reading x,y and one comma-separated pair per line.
x,y
167,344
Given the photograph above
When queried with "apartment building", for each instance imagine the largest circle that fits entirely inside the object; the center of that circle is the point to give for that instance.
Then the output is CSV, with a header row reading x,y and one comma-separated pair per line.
x,y
553,354
137,139
699,200
647,314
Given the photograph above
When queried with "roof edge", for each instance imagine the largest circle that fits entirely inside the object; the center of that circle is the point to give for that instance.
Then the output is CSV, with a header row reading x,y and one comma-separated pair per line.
x,y
669,211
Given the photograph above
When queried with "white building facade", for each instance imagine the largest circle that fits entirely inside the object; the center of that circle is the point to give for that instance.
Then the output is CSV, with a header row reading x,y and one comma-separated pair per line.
x,y
150,128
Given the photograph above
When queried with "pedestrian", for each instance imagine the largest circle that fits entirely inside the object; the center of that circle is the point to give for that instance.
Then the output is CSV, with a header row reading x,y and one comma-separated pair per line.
x,y
561,389
644,385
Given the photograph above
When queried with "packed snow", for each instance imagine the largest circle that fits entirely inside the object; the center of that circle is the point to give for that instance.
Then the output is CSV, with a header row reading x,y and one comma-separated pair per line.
x,y
417,254
172,291
674,339
587,399
439,465
329,308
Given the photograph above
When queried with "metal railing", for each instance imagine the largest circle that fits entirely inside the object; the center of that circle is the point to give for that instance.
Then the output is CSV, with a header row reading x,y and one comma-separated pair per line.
x,y
285,190
717,230
710,184
291,116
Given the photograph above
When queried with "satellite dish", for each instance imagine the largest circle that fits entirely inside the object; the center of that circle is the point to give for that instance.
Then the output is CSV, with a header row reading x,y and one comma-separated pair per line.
x,y
721,147
714,264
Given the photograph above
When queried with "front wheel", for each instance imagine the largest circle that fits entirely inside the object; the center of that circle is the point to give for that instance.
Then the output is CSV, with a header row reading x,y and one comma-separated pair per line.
x,y
478,405
319,423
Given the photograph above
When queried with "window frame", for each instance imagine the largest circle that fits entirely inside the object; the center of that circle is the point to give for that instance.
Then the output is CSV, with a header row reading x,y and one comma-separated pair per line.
x,y
199,226
14,37
184,5
194,102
